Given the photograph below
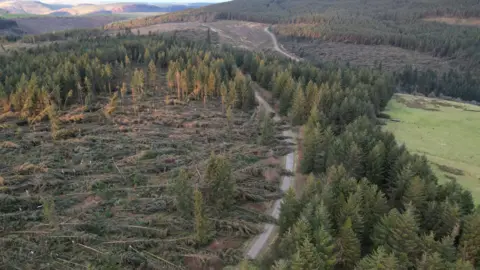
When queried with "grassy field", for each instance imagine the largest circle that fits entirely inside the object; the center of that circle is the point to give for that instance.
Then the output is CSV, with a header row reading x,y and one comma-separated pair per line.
x,y
446,132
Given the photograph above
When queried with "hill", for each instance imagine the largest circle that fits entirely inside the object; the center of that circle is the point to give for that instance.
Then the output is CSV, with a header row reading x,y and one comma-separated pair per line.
x,y
26,7
40,8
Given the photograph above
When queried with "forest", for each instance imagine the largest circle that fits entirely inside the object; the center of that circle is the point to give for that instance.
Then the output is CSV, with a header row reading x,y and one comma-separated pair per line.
x,y
394,23
369,203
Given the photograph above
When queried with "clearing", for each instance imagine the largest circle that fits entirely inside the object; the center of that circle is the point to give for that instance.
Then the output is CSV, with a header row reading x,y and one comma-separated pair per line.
x,y
446,132
101,188
243,34
455,21
46,24
392,58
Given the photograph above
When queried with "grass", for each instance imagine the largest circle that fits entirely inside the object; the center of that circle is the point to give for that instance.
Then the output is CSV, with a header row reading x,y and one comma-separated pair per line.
x,y
446,132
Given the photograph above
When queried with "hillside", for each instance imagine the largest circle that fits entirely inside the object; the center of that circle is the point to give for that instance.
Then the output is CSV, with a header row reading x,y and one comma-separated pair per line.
x,y
40,8
26,7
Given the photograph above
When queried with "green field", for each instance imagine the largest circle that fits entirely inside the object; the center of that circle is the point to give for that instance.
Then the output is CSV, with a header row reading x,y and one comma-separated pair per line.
x,y
448,133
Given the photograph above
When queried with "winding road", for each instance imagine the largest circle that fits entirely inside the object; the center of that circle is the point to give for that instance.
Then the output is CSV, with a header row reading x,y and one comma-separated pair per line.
x,y
277,48
261,241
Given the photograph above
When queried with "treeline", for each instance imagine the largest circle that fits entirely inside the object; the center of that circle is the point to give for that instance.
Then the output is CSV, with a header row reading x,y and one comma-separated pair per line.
x,y
440,40
368,203
463,85
63,35
79,72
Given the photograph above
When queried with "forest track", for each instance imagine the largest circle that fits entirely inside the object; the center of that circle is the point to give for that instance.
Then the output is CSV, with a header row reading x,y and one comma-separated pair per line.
x,y
261,241
278,49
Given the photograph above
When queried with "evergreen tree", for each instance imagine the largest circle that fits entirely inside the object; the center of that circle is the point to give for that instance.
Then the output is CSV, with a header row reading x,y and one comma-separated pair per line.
x,y
470,239
181,188
325,247
306,257
299,113
431,262
201,222
220,182
379,260
152,75
267,129
348,246
289,211
398,233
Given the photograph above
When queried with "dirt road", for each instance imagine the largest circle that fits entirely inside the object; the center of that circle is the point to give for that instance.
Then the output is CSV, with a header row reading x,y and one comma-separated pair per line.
x,y
277,48
261,241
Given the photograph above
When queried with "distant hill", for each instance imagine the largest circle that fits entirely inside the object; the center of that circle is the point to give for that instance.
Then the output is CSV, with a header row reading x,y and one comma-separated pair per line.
x,y
40,8
26,7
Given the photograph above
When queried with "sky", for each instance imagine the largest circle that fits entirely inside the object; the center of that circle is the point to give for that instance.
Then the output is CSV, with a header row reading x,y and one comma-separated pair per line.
x,y
129,1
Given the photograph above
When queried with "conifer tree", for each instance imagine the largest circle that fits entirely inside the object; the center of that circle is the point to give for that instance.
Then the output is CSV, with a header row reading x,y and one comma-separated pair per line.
x,y
470,239
299,113
463,265
220,182
181,188
325,248
289,211
267,129
379,260
348,246
375,164
201,222
431,262
306,257
152,75
281,265
398,233
415,194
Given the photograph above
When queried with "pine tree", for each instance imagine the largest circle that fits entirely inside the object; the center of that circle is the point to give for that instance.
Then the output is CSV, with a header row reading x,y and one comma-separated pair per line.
x,y
220,182
152,75
374,206
181,188
325,247
289,211
267,129
312,143
469,246
306,257
354,161
281,265
299,113
398,233
463,265
351,209
223,95
431,262
379,260
123,90
375,164
201,222
415,194
348,246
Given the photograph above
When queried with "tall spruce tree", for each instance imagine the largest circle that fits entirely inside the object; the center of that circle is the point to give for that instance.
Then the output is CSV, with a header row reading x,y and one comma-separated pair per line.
x,y
220,181
201,222
348,245
289,211
299,113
